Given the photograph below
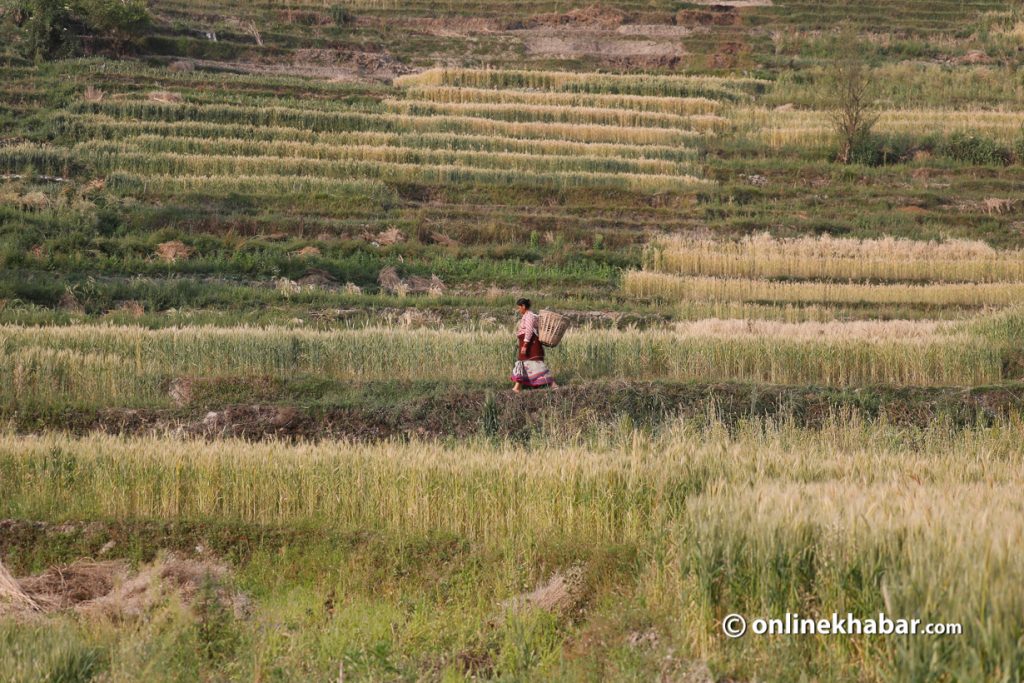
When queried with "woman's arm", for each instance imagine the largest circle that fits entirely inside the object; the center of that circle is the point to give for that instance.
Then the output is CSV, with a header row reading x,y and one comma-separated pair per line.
x,y
527,326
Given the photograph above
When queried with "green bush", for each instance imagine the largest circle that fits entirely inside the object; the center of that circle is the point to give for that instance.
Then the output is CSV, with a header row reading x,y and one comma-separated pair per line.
x,y
973,149
119,21
54,29
341,15
47,29
874,149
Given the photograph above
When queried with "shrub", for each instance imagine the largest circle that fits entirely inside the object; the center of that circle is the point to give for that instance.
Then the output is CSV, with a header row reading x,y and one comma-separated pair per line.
x,y
119,21
973,149
53,29
46,29
341,15
874,149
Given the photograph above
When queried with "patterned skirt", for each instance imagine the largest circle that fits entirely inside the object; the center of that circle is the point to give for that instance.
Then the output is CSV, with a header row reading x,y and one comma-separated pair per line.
x,y
532,373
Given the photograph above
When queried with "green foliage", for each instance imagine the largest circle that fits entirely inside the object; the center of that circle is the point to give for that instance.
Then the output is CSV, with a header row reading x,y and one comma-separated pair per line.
x,y
874,149
54,29
120,21
341,15
492,422
215,627
974,149
47,29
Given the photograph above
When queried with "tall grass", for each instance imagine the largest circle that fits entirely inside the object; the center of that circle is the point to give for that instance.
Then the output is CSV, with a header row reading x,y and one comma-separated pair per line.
x,y
886,259
759,519
565,81
777,128
675,287
236,147
107,158
521,112
86,365
105,128
665,105
336,121
869,330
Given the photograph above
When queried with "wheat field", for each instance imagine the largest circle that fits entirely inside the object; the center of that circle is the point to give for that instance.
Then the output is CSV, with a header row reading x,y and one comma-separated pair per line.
x,y
839,259
786,517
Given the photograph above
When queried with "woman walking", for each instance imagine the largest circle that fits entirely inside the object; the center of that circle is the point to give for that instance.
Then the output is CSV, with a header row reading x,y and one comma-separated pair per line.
x,y
530,369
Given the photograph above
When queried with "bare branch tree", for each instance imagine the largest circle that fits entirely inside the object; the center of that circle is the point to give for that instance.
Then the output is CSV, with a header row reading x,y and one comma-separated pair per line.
x,y
852,90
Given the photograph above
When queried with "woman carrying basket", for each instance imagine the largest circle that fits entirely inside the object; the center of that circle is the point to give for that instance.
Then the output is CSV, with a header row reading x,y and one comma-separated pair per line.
x,y
530,369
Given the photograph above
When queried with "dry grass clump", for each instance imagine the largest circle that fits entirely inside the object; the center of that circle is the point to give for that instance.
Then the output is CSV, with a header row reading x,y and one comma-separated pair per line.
x,y
182,66
173,251
34,201
392,283
390,236
562,594
307,252
443,239
131,307
110,590
93,94
389,280
164,97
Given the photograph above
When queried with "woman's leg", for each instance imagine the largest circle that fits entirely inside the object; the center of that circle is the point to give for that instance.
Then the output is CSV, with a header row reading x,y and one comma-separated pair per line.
x,y
517,387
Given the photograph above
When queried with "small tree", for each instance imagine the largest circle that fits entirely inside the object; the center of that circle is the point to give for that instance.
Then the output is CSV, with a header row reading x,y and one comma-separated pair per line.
x,y
46,27
852,89
118,21
51,29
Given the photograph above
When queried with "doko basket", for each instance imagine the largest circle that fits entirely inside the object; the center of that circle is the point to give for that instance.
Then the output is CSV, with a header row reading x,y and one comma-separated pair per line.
x,y
550,327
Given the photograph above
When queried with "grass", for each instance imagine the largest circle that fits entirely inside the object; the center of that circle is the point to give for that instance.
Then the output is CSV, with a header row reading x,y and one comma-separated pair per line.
x,y
561,81
674,287
812,128
808,400
761,519
83,365
884,260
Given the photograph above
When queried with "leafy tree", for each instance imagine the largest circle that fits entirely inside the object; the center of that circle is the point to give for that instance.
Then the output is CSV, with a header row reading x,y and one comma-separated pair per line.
x,y
47,28
119,21
53,29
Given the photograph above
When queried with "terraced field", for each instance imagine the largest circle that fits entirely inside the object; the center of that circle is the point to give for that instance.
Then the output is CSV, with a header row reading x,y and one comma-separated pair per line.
x,y
257,279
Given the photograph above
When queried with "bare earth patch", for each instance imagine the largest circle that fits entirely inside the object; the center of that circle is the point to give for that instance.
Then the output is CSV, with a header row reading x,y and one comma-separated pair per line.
x,y
735,3
574,44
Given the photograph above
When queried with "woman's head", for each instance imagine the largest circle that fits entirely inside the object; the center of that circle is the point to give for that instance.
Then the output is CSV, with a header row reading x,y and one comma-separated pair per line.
x,y
522,305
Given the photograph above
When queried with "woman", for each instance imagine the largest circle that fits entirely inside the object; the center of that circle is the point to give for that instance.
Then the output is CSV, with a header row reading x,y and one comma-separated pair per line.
x,y
530,369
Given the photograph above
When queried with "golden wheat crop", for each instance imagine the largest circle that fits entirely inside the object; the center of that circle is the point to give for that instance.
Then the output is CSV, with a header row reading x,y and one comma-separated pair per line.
x,y
778,127
665,105
665,286
84,364
867,330
826,257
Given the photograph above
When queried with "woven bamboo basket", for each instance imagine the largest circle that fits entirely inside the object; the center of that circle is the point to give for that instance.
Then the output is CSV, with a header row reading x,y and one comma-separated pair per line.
x,y
550,327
